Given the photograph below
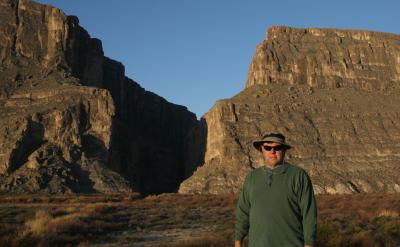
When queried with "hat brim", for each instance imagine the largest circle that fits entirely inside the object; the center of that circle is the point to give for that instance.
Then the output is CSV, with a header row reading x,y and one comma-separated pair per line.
x,y
257,144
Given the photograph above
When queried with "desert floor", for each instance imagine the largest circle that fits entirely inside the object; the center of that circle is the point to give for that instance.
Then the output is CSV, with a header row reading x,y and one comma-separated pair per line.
x,y
176,220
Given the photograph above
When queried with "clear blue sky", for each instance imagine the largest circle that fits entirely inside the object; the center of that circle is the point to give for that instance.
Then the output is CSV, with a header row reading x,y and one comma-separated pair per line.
x,y
194,52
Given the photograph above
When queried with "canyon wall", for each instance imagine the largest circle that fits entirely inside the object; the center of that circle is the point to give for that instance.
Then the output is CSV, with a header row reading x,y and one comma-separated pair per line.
x,y
68,108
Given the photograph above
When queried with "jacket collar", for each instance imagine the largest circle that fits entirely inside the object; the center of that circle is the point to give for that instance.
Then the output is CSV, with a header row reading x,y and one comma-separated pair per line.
x,y
279,169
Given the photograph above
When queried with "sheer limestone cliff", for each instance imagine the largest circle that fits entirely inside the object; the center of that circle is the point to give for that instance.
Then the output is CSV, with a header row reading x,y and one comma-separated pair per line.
x,y
335,94
71,121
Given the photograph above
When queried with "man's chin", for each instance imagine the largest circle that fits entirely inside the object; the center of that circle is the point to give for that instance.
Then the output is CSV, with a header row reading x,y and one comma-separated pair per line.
x,y
273,163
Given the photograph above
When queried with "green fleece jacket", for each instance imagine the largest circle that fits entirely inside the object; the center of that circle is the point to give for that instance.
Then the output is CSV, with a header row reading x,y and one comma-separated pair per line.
x,y
277,208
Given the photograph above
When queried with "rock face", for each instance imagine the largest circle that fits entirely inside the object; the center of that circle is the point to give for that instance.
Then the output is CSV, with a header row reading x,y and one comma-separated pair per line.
x,y
71,121
335,94
56,141
327,58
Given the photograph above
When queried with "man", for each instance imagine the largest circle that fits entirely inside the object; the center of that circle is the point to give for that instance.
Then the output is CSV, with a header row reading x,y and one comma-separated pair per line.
x,y
276,206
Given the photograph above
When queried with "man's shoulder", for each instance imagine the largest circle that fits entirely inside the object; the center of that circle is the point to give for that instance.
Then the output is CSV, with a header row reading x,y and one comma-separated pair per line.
x,y
255,172
295,169
252,175
258,169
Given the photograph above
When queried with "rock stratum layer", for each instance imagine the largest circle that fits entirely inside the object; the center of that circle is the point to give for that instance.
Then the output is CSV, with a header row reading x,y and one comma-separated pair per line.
x,y
335,94
71,121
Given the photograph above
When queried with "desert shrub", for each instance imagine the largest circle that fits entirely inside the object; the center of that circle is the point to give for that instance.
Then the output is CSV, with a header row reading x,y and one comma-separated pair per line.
x,y
7,235
39,224
59,229
362,239
39,231
356,232
388,213
388,231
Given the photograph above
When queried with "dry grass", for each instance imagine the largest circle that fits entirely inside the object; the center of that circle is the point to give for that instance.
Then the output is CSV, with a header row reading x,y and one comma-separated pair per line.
x,y
359,220
388,213
174,220
38,225
57,227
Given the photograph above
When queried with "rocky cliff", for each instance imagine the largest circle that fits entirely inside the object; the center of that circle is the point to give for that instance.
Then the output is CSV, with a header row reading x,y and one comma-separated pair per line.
x,y
71,121
335,94
327,58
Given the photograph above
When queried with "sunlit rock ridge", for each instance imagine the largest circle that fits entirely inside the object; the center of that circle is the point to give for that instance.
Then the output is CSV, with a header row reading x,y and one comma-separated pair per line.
x,y
334,93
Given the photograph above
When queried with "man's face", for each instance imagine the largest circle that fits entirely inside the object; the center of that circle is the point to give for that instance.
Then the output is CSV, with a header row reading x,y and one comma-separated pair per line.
x,y
271,155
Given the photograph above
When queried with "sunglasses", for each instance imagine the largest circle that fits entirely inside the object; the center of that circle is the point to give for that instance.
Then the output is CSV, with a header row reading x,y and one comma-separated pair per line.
x,y
276,148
